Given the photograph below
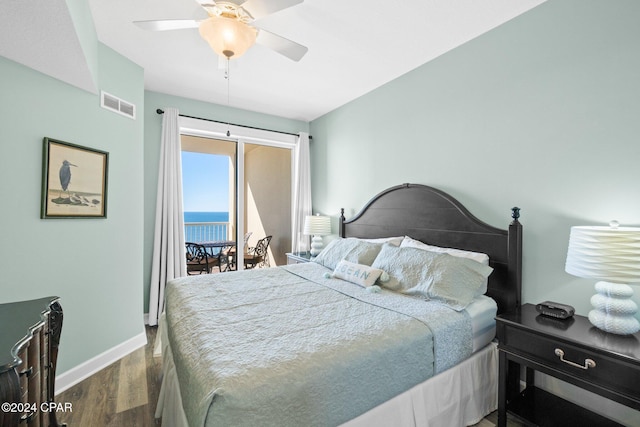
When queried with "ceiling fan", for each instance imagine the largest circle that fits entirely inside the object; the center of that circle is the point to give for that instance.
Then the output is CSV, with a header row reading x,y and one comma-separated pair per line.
x,y
229,29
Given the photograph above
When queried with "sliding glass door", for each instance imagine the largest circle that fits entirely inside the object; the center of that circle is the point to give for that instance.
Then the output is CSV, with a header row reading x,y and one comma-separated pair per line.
x,y
252,182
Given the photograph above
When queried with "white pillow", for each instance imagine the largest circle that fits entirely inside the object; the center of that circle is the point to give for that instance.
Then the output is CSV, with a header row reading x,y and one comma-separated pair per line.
x,y
395,241
359,274
483,259
408,242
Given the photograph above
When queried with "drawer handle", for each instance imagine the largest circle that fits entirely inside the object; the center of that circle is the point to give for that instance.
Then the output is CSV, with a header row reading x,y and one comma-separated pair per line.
x,y
588,363
27,372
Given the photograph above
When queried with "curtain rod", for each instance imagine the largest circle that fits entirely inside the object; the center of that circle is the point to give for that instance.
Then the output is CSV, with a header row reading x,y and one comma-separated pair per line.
x,y
160,111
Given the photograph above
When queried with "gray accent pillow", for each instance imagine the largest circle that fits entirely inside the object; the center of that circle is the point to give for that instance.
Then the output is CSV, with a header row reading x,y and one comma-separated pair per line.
x,y
441,277
350,249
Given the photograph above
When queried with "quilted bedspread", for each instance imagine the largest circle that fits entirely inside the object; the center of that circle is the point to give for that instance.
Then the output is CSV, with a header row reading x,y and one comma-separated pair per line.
x,y
288,347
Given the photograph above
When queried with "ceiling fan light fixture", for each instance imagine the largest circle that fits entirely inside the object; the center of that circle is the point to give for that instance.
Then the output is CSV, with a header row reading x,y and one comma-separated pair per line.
x,y
228,37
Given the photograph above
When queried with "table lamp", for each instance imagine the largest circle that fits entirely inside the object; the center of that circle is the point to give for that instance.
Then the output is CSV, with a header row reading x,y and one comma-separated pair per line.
x,y
611,255
316,226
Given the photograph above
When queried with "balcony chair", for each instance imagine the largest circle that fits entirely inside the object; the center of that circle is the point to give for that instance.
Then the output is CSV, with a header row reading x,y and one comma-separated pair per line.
x,y
258,256
200,261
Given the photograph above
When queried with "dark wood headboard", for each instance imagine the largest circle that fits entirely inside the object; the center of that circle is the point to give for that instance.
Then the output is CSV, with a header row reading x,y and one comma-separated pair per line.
x,y
434,217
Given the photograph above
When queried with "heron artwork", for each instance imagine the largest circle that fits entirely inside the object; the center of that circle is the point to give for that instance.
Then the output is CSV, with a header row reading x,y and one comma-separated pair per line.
x,y
65,175
72,198
74,181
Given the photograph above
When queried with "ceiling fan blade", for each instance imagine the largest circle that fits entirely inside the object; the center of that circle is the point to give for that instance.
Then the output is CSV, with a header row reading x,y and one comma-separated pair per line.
x,y
261,8
286,47
167,24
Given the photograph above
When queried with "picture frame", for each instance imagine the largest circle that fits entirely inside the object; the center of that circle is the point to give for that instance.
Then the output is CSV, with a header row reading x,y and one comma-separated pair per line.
x,y
74,181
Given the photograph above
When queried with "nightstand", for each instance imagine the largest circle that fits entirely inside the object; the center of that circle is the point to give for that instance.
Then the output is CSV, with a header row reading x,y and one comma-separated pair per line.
x,y
298,257
571,350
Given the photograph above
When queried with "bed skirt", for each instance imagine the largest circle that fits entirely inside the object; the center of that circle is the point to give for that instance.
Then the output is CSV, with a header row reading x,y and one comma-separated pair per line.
x,y
460,396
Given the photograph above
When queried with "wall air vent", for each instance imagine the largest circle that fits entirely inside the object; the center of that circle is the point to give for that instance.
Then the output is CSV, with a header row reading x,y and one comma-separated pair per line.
x,y
117,105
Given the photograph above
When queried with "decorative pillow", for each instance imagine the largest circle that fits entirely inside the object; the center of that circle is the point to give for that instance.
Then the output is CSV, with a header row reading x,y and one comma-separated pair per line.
x,y
483,259
450,280
359,274
349,249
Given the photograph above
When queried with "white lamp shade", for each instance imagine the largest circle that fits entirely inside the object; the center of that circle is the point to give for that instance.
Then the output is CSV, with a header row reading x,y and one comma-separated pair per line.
x,y
604,253
317,225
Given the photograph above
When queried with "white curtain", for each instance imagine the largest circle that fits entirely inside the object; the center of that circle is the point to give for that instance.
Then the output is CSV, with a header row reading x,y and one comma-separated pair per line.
x,y
169,259
301,194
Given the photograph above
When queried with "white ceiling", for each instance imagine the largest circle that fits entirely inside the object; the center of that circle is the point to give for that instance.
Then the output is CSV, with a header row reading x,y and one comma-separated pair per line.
x,y
41,34
354,46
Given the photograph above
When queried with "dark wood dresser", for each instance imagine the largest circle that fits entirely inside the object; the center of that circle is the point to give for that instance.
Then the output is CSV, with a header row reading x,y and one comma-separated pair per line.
x,y
29,339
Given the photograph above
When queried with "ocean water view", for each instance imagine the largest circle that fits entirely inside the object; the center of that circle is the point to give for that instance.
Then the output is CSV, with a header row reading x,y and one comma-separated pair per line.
x,y
196,228
206,217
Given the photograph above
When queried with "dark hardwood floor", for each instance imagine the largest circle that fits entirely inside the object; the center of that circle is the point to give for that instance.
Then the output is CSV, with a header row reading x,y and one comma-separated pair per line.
x,y
125,393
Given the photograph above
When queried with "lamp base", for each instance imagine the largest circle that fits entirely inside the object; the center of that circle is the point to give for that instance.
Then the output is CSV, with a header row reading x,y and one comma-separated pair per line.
x,y
316,246
613,310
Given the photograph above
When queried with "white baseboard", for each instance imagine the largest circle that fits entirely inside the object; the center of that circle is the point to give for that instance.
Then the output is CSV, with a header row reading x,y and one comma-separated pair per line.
x,y
74,375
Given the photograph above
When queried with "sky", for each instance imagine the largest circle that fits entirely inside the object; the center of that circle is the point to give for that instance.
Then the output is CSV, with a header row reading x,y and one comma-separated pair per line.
x,y
205,182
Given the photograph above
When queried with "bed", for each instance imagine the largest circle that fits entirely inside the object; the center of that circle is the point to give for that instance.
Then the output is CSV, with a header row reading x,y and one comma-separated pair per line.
x,y
311,344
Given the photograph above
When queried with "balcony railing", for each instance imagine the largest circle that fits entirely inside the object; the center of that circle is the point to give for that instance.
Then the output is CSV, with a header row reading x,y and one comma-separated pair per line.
x,y
205,231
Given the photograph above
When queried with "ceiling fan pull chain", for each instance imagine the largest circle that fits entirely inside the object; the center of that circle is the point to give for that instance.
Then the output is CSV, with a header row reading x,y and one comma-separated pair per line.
x,y
227,75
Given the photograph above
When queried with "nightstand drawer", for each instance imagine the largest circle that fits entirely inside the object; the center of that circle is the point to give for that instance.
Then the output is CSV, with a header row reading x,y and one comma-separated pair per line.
x,y
579,362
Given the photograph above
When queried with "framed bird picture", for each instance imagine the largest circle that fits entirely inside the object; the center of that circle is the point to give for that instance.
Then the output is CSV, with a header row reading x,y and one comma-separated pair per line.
x,y
74,181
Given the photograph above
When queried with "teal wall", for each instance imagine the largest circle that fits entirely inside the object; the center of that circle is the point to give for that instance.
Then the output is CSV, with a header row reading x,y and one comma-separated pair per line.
x,y
152,135
543,113
94,265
